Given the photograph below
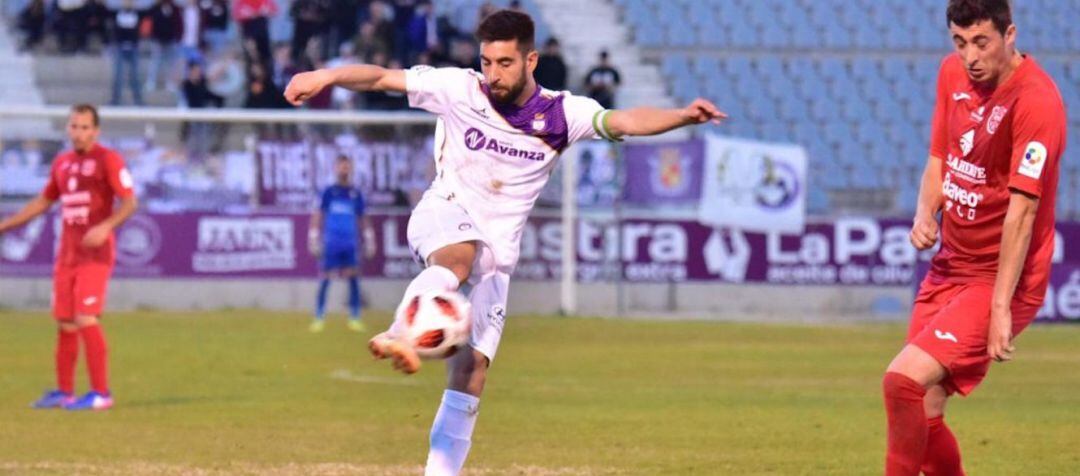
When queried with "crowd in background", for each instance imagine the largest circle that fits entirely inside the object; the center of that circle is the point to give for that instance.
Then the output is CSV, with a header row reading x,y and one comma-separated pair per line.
x,y
212,53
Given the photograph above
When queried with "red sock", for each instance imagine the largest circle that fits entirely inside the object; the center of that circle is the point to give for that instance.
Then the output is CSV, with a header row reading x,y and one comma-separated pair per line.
x,y
67,352
96,358
942,453
907,425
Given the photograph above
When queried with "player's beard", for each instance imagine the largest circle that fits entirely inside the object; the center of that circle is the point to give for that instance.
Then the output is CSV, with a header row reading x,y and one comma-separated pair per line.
x,y
512,94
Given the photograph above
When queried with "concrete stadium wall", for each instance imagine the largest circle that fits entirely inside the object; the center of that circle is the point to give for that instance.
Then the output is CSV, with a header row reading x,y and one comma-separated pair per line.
x,y
655,301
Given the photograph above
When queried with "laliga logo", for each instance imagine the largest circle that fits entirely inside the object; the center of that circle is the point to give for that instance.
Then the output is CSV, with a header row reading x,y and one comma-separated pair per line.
x,y
474,139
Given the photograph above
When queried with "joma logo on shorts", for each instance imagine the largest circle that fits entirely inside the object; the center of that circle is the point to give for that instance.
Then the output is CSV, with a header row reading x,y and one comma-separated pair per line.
x,y
945,336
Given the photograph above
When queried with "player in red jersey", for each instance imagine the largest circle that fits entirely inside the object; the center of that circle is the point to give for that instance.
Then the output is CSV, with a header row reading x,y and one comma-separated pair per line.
x,y
86,181
998,133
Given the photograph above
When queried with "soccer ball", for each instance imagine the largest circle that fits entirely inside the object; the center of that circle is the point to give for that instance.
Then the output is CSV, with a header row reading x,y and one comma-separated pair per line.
x,y
435,323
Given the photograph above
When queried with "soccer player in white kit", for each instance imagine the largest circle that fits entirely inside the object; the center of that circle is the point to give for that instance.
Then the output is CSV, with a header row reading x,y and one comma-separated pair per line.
x,y
497,139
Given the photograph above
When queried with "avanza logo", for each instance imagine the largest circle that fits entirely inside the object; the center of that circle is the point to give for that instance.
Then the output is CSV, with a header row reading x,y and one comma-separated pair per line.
x,y
475,140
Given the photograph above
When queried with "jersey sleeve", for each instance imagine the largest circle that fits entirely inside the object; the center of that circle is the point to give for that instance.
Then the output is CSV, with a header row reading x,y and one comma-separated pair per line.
x,y
433,89
939,127
119,177
52,189
1037,141
586,119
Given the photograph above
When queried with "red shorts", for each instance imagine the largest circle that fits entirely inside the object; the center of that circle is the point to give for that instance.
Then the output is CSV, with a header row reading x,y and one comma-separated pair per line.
x,y
80,290
950,321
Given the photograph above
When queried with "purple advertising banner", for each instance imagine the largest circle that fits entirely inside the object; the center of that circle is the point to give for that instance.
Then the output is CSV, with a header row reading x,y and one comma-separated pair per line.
x,y
664,173
845,251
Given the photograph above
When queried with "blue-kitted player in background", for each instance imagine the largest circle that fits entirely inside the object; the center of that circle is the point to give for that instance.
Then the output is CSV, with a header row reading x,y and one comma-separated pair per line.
x,y
334,236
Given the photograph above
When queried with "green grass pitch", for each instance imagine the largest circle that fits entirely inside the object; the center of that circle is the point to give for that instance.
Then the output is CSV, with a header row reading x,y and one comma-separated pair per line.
x,y
247,392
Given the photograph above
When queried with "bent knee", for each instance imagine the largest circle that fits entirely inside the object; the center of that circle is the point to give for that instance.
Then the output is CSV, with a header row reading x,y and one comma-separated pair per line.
x,y
895,384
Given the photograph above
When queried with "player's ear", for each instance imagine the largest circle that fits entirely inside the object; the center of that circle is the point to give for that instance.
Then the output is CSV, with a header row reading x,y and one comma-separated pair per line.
x,y
1010,37
531,59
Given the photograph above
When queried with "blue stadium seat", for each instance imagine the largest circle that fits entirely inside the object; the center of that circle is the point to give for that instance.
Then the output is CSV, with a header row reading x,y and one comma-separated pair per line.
x,y
738,66
835,35
649,35
681,35
744,35
769,66
712,35
831,68
863,68
706,66
804,35
675,65
776,132
794,110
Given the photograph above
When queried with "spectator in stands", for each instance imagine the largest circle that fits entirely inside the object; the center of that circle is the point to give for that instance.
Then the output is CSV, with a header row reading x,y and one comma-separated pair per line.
x,y
463,54
310,20
367,44
71,25
515,5
253,16
196,95
97,16
263,94
344,21
191,40
343,98
403,13
378,100
196,91
423,31
215,16
123,26
384,31
32,23
282,70
602,81
486,8
551,70
165,30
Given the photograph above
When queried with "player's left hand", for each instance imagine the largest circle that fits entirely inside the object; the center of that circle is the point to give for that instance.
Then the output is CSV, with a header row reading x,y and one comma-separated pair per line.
x,y
999,340
96,236
701,111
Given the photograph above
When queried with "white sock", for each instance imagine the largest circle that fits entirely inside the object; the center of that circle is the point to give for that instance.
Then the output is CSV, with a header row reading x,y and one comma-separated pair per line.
x,y
432,278
451,433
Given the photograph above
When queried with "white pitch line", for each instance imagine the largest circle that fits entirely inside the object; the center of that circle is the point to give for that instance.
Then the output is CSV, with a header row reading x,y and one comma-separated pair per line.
x,y
348,376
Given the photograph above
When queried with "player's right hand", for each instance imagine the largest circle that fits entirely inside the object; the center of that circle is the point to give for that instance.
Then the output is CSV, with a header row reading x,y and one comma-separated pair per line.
x,y
304,86
924,232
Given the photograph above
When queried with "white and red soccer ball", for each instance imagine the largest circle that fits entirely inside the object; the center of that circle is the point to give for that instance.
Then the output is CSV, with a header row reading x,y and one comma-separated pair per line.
x,y
434,323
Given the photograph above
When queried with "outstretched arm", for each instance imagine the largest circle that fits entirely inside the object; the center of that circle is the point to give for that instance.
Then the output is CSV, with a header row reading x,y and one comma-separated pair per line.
x,y
360,77
647,121
36,207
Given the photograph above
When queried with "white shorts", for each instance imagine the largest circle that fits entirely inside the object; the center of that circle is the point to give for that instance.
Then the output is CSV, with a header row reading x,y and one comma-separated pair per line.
x,y
436,223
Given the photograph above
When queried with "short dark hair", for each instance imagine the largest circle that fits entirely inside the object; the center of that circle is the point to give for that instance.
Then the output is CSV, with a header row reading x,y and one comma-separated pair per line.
x,y
964,13
506,25
343,158
87,109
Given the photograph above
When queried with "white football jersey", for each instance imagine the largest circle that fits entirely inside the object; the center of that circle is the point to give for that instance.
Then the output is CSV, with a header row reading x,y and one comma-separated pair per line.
x,y
494,159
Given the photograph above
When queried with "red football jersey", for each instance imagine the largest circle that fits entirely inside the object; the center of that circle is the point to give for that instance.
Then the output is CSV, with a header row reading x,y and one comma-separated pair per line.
x,y
993,142
86,185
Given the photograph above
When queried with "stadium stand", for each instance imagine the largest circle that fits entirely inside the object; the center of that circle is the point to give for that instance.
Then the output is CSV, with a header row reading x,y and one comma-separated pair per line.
x,y
853,82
